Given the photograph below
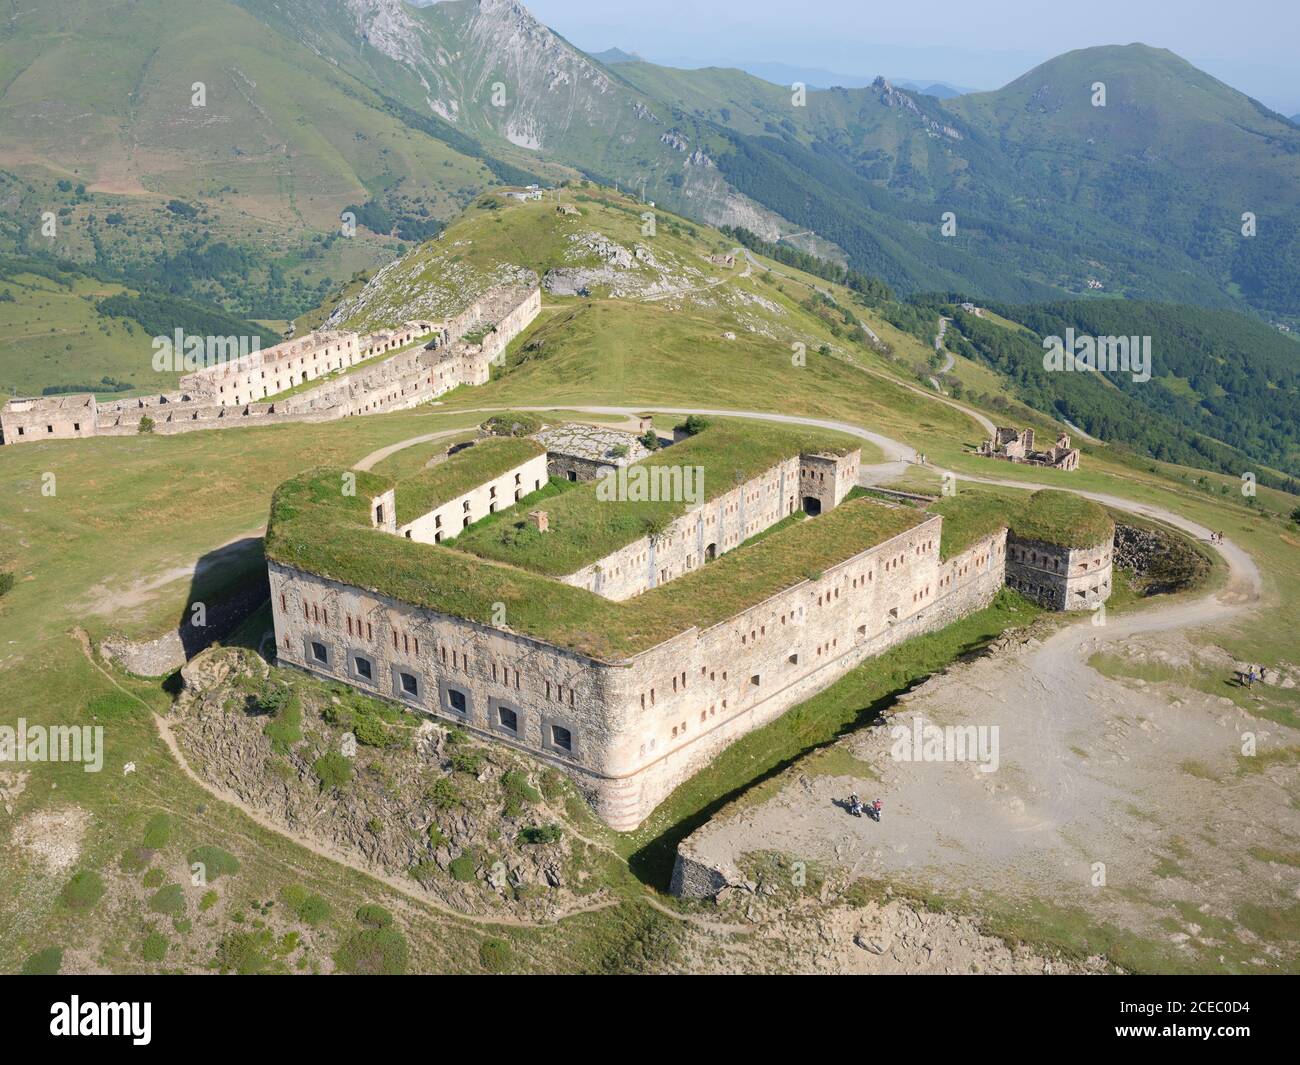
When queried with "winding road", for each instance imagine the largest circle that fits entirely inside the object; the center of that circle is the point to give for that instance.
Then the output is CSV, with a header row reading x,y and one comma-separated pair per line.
x,y
1242,588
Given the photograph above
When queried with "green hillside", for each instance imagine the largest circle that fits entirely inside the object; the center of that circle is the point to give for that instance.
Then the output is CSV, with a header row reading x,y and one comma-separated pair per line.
x,y
1145,194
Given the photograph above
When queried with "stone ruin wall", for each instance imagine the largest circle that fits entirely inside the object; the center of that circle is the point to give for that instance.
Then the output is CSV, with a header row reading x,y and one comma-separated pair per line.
x,y
397,383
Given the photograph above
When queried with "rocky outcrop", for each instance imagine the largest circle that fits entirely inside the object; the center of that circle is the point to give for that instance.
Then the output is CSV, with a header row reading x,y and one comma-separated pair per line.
x,y
1162,561
404,810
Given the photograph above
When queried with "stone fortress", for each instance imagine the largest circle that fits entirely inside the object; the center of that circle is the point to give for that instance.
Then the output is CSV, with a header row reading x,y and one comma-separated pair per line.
x,y
633,671
1017,445
392,369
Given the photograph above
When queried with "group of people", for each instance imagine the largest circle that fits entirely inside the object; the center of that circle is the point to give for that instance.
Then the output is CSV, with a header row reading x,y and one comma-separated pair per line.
x,y
856,808
1216,537
1250,674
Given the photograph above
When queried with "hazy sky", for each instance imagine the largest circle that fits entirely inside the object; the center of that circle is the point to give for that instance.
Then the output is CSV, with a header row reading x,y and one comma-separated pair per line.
x,y
1253,45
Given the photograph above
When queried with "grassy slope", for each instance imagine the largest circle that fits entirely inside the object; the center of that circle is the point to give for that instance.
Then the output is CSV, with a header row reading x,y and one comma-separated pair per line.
x,y
286,134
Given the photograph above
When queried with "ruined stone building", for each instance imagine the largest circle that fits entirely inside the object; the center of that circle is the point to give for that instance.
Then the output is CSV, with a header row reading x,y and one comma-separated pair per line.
x,y
1017,445
325,375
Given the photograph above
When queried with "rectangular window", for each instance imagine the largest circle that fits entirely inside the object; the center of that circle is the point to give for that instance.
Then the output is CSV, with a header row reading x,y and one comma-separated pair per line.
x,y
508,719
319,652
364,668
409,684
562,737
456,700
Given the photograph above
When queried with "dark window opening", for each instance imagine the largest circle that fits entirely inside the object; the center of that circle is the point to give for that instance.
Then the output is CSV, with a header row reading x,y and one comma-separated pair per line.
x,y
562,737
456,700
409,684
508,718
363,668
318,652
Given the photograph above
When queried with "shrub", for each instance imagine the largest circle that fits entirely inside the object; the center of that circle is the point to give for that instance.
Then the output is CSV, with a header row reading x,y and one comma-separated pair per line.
x,y
468,761
463,868
373,952
444,794
245,953
158,832
436,836
518,791
373,915
6,581
209,900
83,891
494,955
152,879
649,440
169,899
541,834
371,731
425,872
694,424
154,947
45,962
215,861
333,771
512,423
285,729
313,910
337,715
135,860
146,424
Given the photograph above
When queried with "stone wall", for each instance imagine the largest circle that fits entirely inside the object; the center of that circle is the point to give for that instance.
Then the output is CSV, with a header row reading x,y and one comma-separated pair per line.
x,y
707,531
1059,578
637,728
448,519
67,417
220,397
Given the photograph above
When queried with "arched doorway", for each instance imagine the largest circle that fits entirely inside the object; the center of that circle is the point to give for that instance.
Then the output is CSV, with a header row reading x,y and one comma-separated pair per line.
x,y
812,506
710,552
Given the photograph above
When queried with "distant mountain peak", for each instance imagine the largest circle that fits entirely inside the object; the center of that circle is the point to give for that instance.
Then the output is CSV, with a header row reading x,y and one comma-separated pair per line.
x,y
612,56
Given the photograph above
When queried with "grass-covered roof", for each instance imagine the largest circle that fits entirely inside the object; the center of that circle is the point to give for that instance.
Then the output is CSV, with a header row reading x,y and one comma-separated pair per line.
x,y
316,528
1050,516
467,469
585,529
